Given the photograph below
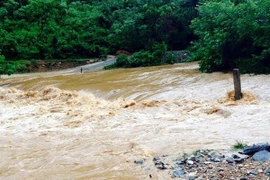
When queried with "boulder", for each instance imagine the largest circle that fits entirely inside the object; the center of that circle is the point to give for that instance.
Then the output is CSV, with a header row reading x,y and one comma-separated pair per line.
x,y
250,150
261,156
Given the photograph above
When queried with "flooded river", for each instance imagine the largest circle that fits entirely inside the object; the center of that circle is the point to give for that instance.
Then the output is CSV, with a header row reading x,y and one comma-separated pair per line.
x,y
94,125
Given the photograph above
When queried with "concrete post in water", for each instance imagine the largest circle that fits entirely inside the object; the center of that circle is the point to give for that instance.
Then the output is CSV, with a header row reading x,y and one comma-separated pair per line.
x,y
237,84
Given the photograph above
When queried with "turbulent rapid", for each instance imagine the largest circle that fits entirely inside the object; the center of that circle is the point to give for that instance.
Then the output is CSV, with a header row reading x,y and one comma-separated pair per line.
x,y
94,125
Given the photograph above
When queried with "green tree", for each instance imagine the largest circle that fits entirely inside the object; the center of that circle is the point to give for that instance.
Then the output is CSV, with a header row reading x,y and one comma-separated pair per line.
x,y
138,24
232,34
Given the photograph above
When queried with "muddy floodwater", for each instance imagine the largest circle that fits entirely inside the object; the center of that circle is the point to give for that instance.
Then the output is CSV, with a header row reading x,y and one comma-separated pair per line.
x,y
94,125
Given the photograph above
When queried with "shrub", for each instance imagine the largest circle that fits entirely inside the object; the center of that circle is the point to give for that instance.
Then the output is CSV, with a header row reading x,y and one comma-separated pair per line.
x,y
6,67
122,60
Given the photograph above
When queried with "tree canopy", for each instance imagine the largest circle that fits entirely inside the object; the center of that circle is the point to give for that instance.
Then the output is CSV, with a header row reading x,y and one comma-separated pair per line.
x,y
233,34
221,34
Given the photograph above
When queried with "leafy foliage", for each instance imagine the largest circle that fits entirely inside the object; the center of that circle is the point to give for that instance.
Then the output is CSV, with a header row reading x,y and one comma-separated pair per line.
x,y
45,29
151,57
233,34
6,67
41,29
224,33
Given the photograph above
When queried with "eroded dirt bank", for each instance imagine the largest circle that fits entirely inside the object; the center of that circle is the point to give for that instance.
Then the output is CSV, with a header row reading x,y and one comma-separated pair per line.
x,y
94,129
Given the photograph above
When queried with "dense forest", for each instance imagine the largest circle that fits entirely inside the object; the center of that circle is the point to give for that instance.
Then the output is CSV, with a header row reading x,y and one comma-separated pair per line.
x,y
221,34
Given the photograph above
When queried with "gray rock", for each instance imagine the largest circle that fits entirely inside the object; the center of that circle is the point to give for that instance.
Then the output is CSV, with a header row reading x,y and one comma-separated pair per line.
x,y
192,158
235,156
189,162
161,165
214,153
215,160
139,162
180,162
267,172
252,172
250,150
199,155
156,158
192,176
240,160
261,156
178,173
230,160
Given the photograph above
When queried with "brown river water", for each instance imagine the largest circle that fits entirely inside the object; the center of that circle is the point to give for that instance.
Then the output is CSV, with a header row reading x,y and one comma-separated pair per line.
x,y
94,125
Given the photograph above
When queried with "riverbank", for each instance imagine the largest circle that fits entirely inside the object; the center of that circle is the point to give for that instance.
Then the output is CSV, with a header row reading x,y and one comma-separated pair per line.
x,y
251,163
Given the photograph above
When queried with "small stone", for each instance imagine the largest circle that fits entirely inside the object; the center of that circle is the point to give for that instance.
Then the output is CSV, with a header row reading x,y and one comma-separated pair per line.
x,y
160,165
260,171
192,158
216,160
220,170
235,156
207,162
178,173
240,160
180,162
261,156
252,172
214,153
189,162
199,155
243,179
192,175
139,162
267,172
230,160
156,158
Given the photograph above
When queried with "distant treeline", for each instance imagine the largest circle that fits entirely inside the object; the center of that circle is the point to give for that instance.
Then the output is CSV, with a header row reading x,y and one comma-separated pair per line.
x,y
221,34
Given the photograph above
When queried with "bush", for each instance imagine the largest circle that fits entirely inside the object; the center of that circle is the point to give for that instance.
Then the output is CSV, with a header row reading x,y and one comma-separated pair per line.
x,y
141,58
6,67
122,60
22,66
151,57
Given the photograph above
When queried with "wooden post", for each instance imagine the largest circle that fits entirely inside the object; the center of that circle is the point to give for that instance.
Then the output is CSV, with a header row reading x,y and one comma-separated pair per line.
x,y
237,84
81,69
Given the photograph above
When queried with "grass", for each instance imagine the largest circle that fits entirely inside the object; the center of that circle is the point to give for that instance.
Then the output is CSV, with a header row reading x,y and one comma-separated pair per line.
x,y
239,145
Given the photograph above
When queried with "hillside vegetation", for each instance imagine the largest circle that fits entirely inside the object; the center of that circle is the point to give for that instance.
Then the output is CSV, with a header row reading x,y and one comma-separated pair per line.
x,y
221,34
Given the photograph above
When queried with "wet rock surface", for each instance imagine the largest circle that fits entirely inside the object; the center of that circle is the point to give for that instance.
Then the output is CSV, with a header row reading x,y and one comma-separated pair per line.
x,y
250,150
215,165
261,156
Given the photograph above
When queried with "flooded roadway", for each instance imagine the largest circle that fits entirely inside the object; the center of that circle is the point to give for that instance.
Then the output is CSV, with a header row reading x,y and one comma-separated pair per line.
x,y
95,124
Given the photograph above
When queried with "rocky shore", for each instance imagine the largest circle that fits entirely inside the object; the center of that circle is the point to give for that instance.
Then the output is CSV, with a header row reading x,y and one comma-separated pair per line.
x,y
250,162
